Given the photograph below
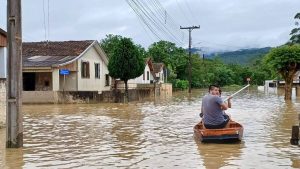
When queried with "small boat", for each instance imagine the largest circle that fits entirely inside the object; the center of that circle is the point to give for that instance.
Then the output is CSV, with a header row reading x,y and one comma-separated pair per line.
x,y
233,132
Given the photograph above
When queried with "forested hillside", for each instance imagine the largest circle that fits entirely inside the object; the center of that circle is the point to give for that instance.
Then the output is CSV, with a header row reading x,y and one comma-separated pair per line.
x,y
242,57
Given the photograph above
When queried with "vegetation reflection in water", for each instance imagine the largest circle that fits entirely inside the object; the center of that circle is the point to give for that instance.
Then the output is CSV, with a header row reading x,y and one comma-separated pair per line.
x,y
154,134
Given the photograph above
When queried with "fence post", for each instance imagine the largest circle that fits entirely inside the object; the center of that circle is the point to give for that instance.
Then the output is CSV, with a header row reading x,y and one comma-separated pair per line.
x,y
295,133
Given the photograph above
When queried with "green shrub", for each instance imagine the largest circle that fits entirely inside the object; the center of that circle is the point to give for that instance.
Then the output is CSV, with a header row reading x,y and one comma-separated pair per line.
x,y
180,84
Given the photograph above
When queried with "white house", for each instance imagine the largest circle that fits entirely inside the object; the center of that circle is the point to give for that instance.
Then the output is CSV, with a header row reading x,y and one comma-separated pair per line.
x,y
159,72
153,72
50,68
3,43
297,76
147,76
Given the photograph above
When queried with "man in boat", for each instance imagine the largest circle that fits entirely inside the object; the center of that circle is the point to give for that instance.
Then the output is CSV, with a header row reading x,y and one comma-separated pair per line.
x,y
213,108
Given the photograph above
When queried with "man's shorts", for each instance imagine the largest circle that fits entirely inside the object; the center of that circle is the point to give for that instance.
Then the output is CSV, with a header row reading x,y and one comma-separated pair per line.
x,y
219,126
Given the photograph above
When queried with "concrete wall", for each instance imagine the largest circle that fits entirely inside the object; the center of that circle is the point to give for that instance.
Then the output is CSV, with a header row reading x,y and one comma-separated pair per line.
x,y
143,91
55,80
117,96
2,103
70,82
2,62
40,97
166,89
121,85
92,83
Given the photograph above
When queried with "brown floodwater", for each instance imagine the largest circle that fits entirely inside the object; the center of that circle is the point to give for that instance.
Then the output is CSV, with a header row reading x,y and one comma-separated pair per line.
x,y
154,134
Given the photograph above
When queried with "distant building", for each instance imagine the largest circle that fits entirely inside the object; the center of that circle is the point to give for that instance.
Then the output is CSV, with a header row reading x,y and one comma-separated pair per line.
x,y
84,64
3,43
153,72
159,72
297,76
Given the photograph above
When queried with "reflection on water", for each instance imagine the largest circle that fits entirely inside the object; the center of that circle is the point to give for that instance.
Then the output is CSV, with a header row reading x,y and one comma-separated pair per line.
x,y
225,157
154,134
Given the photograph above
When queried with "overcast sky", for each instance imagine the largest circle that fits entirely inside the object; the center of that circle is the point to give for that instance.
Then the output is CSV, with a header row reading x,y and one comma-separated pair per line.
x,y
225,24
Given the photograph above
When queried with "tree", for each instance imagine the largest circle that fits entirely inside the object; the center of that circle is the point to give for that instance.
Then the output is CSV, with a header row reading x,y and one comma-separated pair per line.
x,y
295,33
286,61
173,57
109,43
126,62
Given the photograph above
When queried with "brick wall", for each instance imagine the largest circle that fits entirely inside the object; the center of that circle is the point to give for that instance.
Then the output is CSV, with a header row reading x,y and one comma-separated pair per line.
x,y
2,103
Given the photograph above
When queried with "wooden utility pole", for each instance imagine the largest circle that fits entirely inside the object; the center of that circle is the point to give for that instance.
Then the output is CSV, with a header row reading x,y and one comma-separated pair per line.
x,y
14,137
190,53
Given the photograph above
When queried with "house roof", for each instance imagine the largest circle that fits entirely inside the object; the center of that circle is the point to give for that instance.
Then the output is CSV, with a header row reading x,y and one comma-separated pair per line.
x,y
157,67
3,33
47,54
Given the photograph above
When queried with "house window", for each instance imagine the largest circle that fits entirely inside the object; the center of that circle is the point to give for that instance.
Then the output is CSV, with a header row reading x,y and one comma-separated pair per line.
x,y
97,70
147,75
106,80
85,70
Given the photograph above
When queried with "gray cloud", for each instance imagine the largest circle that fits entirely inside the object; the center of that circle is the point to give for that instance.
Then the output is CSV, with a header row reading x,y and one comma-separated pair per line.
x,y
229,24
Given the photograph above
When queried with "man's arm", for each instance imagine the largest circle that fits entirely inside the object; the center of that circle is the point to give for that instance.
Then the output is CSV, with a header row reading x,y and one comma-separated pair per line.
x,y
224,106
229,101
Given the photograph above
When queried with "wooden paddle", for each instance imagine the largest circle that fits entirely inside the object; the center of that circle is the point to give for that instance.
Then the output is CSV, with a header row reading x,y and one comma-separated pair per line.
x,y
237,92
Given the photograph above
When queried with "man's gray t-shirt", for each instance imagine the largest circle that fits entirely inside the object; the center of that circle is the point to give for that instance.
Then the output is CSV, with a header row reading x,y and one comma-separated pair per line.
x,y
211,108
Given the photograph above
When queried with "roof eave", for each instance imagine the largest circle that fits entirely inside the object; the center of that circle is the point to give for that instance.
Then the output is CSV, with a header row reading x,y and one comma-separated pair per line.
x,y
79,56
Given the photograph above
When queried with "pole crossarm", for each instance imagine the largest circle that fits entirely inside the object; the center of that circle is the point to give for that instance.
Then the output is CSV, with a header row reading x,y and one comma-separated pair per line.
x,y
190,27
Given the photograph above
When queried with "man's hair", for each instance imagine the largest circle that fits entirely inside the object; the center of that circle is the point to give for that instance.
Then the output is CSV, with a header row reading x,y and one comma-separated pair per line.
x,y
211,87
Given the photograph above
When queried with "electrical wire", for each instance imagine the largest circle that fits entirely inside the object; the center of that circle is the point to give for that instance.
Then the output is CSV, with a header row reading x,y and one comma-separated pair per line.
x,y
154,16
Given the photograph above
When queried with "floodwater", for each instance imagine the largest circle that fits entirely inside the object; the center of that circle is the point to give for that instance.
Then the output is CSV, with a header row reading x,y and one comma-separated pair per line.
x,y
154,134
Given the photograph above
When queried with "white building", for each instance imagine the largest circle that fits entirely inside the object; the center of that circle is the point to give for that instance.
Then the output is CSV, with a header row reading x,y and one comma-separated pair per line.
x,y
3,43
50,68
153,72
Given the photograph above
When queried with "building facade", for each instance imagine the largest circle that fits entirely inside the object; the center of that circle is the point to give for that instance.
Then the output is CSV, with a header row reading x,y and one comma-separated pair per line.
x,y
3,43
51,69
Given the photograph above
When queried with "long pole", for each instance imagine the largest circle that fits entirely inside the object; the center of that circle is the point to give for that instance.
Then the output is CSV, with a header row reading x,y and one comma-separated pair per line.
x,y
237,92
14,137
190,54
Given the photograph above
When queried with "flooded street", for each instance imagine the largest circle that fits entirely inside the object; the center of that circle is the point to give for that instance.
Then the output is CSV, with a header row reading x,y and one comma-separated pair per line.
x,y
154,134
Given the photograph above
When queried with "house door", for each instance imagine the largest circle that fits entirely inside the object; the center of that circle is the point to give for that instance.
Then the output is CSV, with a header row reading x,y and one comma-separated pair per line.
x,y
28,81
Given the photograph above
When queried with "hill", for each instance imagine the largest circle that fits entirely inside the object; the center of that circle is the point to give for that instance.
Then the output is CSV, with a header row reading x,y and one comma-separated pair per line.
x,y
242,57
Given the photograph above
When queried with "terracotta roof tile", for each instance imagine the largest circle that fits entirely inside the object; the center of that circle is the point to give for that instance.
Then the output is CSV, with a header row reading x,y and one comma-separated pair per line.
x,y
62,48
157,67
3,32
41,54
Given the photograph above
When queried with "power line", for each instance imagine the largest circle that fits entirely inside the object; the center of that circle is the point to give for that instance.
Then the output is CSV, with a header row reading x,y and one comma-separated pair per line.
x,y
190,10
152,14
44,15
171,34
184,14
46,19
149,25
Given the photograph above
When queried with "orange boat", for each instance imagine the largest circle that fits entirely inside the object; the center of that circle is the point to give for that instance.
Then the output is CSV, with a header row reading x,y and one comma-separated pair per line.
x,y
233,132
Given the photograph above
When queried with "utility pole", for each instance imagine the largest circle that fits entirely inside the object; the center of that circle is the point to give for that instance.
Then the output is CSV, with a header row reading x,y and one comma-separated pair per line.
x,y
14,137
190,53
